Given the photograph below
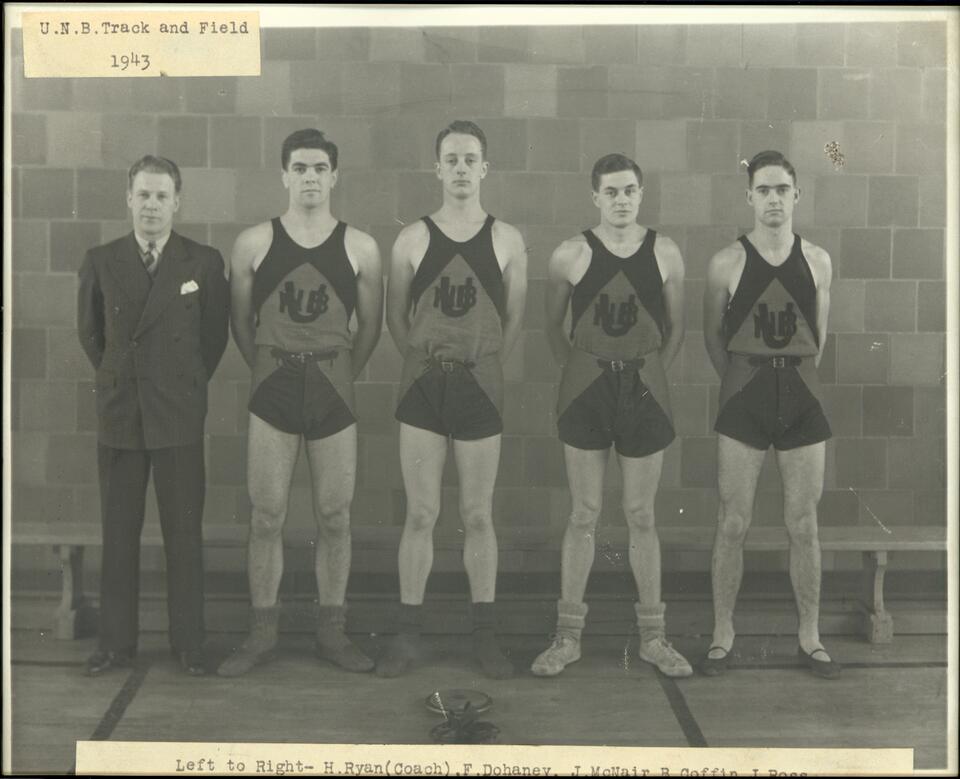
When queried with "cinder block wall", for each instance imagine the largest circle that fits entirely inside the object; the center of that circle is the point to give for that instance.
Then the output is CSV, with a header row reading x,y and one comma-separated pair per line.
x,y
689,102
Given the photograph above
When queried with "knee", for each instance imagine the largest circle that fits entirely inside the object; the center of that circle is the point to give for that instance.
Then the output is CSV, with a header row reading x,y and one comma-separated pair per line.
x,y
476,517
585,515
639,516
732,525
421,517
333,517
802,525
267,519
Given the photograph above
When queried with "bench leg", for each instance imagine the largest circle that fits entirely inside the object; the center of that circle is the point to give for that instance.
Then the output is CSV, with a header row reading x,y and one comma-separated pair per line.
x,y
74,617
878,623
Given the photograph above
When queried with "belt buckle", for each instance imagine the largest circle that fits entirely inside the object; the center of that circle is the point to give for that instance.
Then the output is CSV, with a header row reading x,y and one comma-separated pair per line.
x,y
617,366
779,362
447,366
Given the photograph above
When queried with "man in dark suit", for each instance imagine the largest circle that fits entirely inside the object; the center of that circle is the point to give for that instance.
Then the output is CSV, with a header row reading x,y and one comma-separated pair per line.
x,y
152,317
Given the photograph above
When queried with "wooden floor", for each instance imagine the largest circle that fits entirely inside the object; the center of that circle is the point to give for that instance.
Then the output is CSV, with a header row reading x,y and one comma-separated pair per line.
x,y
888,696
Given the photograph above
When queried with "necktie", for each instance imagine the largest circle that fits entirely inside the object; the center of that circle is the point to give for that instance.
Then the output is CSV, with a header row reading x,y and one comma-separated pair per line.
x,y
151,259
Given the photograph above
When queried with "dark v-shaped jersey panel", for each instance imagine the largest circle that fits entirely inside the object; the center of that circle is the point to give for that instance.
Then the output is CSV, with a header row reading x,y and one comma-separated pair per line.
x,y
774,308
302,298
617,308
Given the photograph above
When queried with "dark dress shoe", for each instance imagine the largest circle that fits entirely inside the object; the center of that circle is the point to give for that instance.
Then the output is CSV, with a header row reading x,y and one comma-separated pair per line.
x,y
193,662
825,669
104,660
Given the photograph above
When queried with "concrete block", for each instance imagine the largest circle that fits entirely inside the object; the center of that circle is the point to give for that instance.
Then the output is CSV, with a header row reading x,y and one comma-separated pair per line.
x,y
71,459
931,307
891,306
917,463
701,244
917,359
450,44
69,242
661,44
582,92
530,198
714,45
288,43
689,404
888,411
921,148
312,89
742,93
863,359
212,95
28,353
893,201
557,44
553,145
932,209
354,139
884,508
930,508
374,407
29,458
543,462
370,88
864,253
922,44
678,508
871,43
540,365
934,95
397,44
541,240
534,315
235,142
844,93
844,409
663,145
729,201
421,196
838,508
160,95
649,212
530,408
841,201
403,142
65,358
227,460
108,95
530,90
685,199
343,44
206,195
827,370
918,254
696,365
127,137
222,408
792,94
686,92
895,93
861,462
507,144
503,44
930,415
183,139
38,504
48,407
699,462
869,147
44,299
29,133
47,193
86,405
270,93
610,44
29,245
635,92
259,194
574,204
820,44
101,194
847,306
425,90
39,94
768,45
477,90
807,153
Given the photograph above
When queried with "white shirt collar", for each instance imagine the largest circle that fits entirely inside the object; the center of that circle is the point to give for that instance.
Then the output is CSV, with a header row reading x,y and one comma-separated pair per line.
x,y
159,243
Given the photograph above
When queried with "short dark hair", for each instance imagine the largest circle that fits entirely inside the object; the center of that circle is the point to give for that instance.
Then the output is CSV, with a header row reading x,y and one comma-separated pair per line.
x,y
309,138
613,163
768,158
463,127
152,164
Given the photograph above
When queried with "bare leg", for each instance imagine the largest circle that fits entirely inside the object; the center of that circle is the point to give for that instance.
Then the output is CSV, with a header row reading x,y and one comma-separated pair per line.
x,y
802,472
738,470
477,464
585,468
641,477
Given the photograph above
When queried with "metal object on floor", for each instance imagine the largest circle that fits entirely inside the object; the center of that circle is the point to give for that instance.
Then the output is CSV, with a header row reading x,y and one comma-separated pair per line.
x,y
455,701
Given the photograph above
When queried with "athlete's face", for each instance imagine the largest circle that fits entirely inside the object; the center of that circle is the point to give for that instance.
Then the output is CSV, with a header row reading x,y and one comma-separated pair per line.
x,y
152,201
773,196
309,177
618,198
461,165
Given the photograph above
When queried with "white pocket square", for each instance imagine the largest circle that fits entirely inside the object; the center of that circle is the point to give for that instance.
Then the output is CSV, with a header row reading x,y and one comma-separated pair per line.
x,y
189,286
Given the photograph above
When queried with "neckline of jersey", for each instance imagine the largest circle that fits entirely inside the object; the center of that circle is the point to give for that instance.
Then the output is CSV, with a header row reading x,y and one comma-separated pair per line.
x,y
460,243
614,254
300,245
793,248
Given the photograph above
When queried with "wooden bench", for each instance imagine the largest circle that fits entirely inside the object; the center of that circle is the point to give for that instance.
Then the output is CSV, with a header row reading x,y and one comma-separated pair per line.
x,y
874,543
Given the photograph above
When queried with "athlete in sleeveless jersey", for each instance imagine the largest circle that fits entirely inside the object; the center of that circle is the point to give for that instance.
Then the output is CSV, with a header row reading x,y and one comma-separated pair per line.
x,y
454,308
623,286
765,317
452,381
296,282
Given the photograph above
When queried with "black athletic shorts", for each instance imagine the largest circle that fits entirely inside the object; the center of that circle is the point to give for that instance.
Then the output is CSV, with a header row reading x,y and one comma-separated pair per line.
x,y
456,398
772,400
304,393
604,403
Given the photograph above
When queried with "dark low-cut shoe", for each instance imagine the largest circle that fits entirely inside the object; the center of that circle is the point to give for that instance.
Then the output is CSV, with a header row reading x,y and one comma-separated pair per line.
x,y
715,666
825,669
193,662
104,660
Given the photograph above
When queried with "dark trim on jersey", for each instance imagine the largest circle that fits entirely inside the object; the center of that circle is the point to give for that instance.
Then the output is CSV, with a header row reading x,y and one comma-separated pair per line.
x,y
795,276
477,252
286,255
640,268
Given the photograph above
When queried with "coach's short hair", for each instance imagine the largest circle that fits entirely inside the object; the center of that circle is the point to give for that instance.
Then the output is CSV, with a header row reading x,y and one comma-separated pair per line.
x,y
463,127
768,158
613,163
309,138
152,164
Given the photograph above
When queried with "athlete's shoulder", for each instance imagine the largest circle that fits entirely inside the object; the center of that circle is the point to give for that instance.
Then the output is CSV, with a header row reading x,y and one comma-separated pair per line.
x,y
819,261
569,255
504,231
665,246
726,262
358,240
254,238
668,257
412,238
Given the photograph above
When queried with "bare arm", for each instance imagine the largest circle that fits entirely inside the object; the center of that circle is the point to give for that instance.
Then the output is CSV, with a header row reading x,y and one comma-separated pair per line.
x,y
823,275
364,251
672,272
249,247
716,296
411,239
515,285
559,290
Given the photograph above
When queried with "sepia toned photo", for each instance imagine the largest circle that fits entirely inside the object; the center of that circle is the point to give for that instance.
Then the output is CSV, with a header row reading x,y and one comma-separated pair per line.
x,y
536,377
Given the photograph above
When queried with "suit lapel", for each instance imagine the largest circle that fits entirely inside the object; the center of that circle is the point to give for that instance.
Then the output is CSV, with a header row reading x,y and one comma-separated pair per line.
x,y
127,268
166,286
